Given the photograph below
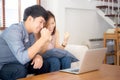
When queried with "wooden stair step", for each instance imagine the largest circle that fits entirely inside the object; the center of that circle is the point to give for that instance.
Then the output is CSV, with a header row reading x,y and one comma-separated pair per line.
x,y
112,15
115,1
102,6
106,6
117,25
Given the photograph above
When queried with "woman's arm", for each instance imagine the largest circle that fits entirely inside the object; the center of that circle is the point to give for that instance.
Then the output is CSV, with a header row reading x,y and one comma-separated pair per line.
x,y
64,43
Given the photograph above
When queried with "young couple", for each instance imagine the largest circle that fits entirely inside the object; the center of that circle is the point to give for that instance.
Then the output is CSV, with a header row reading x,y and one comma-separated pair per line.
x,y
32,47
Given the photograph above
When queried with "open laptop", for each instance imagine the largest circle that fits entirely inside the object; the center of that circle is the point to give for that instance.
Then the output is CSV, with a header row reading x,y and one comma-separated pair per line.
x,y
90,61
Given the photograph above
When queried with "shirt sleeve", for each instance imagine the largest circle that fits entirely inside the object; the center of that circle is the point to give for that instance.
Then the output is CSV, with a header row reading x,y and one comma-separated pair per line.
x,y
15,40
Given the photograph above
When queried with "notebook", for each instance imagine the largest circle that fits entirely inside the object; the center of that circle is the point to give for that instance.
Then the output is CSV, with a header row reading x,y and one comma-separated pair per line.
x,y
90,61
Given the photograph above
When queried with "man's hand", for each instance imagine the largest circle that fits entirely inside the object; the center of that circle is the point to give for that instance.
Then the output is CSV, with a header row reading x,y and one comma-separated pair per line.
x,y
45,34
37,62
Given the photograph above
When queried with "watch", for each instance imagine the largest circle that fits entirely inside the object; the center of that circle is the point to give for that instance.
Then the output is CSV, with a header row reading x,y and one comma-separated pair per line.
x,y
63,45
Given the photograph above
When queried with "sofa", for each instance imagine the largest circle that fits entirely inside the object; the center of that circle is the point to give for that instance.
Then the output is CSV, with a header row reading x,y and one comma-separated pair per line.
x,y
77,51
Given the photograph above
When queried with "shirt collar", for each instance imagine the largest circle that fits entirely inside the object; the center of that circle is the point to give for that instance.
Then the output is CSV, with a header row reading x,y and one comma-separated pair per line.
x,y
25,32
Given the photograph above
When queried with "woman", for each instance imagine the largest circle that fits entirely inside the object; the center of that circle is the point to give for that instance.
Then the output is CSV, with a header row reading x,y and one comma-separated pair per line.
x,y
62,58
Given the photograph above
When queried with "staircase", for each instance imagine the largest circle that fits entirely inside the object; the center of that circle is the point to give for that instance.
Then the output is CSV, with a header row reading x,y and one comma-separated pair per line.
x,y
110,11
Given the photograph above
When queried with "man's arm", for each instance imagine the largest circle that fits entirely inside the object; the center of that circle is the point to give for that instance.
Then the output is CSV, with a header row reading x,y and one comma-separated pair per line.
x,y
37,46
14,38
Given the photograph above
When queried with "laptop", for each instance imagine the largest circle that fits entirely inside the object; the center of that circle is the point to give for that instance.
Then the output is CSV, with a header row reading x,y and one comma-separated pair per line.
x,y
90,61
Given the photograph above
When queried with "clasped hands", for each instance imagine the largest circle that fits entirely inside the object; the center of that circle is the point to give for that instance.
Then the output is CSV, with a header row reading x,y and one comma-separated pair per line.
x,y
37,62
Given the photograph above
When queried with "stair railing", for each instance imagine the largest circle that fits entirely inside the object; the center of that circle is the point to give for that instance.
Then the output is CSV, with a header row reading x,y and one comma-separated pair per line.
x,y
111,8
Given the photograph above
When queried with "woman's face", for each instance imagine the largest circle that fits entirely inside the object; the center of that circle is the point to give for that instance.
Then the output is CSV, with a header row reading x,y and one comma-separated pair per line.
x,y
51,24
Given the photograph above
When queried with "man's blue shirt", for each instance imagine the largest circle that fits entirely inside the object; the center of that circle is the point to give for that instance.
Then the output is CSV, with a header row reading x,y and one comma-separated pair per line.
x,y
14,42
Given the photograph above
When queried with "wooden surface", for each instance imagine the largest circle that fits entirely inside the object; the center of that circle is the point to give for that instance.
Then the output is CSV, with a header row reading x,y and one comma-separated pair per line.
x,y
106,72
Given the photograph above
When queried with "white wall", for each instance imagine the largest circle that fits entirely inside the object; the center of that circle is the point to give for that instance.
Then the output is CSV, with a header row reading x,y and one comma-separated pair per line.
x,y
78,17
84,24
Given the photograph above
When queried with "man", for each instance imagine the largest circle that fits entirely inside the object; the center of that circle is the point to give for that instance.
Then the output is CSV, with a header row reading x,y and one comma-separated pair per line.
x,y
17,47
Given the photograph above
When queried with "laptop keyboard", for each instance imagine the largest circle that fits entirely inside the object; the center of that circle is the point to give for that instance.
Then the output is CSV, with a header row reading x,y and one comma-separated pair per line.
x,y
75,70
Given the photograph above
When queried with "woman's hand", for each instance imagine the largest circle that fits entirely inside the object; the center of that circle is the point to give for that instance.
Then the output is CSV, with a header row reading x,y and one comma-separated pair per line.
x,y
66,37
37,62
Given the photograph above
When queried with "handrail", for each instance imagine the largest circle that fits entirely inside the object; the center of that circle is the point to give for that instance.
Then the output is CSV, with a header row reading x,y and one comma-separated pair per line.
x,y
111,9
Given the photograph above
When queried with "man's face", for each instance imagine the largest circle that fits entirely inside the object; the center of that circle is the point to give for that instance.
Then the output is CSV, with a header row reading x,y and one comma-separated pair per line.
x,y
37,24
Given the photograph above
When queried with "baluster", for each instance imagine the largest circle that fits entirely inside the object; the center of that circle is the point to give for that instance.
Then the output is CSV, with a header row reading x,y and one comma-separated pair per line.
x,y
99,2
103,2
112,7
108,7
118,11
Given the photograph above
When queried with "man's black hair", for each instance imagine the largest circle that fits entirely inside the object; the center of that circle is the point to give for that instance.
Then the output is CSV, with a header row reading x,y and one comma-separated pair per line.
x,y
35,11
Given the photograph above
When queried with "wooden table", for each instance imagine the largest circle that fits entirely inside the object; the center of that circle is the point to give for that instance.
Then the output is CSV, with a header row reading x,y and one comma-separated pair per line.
x,y
106,72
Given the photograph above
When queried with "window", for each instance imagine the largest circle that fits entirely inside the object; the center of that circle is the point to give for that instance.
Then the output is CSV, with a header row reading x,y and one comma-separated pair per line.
x,y
13,13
